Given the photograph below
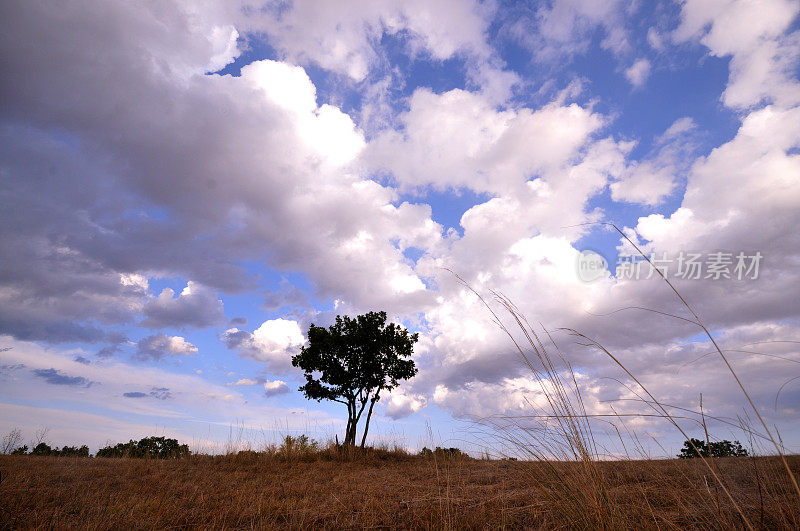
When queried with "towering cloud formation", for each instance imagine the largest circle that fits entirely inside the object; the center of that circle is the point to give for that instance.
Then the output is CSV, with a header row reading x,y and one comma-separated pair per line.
x,y
163,162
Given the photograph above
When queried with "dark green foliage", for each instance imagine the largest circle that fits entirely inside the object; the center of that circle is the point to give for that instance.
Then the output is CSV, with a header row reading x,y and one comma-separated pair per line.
x,y
22,450
353,361
147,448
10,445
715,449
442,452
42,449
74,451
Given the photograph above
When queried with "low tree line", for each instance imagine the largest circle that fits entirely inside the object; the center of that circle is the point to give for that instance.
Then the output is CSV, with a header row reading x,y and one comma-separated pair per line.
x,y
146,448
166,448
440,452
44,449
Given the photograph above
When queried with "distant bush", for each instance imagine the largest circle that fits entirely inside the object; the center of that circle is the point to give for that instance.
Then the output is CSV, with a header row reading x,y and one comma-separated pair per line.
x,y
697,448
42,449
11,445
442,452
147,448
73,451
296,446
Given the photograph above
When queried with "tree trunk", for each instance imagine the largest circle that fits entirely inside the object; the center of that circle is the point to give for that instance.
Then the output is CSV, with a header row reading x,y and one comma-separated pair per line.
x,y
356,417
369,415
349,434
353,433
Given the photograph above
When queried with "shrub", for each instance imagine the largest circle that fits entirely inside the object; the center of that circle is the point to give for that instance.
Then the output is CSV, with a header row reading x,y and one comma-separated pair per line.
x,y
42,449
300,445
73,451
442,452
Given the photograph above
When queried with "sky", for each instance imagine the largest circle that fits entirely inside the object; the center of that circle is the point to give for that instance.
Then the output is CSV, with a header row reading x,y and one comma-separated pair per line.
x,y
187,186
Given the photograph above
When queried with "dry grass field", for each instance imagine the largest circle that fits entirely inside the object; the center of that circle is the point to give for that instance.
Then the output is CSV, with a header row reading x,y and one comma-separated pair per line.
x,y
566,480
390,490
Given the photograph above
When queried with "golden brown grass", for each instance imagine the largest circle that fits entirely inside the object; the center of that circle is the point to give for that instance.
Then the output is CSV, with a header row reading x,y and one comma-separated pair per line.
x,y
560,430
565,480
383,489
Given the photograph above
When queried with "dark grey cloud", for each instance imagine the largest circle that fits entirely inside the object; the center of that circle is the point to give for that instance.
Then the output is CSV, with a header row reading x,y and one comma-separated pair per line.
x,y
55,331
56,377
159,393
82,360
116,339
52,290
89,152
118,159
7,370
10,368
134,394
287,295
108,351
236,339
159,346
197,306
238,321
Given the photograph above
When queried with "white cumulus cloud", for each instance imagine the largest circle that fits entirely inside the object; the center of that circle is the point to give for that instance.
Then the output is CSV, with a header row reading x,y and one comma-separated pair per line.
x,y
274,342
638,72
275,387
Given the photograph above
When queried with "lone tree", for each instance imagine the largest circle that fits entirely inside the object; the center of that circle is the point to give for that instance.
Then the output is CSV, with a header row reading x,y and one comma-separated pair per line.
x,y
353,361
696,448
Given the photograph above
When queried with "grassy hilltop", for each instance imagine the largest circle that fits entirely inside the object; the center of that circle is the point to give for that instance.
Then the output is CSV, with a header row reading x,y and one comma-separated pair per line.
x,y
380,488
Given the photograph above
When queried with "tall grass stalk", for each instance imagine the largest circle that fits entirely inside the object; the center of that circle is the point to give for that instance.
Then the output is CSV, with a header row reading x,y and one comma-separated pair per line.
x,y
567,432
700,323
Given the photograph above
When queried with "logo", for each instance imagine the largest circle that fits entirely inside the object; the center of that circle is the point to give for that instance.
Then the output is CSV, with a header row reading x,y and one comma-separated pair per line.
x,y
591,266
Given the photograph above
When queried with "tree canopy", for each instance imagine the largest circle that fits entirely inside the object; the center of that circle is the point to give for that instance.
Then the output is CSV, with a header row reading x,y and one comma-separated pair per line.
x,y
149,447
698,448
353,361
